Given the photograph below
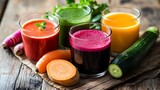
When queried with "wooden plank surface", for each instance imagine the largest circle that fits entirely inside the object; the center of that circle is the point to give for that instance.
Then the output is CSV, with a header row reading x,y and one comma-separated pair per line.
x,y
151,61
3,4
15,75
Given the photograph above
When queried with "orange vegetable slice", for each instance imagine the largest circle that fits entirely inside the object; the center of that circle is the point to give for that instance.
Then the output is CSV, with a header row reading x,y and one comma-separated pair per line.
x,y
62,72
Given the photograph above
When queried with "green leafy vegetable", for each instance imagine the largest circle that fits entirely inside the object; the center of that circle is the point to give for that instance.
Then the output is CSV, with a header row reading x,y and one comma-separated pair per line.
x,y
96,18
70,1
56,7
96,9
41,25
45,16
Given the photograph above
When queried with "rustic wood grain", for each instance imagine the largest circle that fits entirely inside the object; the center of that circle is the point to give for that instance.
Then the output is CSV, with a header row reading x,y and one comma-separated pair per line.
x,y
150,62
148,84
3,4
27,80
16,76
9,70
9,65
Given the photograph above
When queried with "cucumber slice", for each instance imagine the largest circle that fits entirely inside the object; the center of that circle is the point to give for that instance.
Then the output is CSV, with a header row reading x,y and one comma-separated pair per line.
x,y
115,70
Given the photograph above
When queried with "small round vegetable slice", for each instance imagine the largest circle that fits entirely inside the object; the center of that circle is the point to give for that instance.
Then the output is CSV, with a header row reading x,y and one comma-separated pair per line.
x,y
115,70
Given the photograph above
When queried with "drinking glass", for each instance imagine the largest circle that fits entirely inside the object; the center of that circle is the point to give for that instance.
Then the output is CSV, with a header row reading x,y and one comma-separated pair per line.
x,y
90,48
70,15
38,41
125,24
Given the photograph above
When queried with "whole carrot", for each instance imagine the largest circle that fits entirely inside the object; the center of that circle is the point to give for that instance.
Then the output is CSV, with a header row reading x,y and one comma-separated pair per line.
x,y
12,40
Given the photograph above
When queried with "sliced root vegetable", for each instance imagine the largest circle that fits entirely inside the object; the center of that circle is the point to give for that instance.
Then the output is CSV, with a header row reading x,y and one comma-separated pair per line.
x,y
56,54
62,72
12,40
19,49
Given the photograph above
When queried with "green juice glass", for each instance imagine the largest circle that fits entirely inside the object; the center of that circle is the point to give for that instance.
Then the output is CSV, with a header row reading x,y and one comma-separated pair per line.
x,y
71,15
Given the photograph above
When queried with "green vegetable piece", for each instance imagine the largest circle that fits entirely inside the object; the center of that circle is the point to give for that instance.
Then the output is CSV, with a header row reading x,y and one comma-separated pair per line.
x,y
98,8
56,7
129,59
46,15
70,1
115,70
95,26
97,18
41,25
154,30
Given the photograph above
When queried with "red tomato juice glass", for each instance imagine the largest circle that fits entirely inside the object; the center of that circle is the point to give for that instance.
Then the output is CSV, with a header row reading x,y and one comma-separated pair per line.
x,y
39,35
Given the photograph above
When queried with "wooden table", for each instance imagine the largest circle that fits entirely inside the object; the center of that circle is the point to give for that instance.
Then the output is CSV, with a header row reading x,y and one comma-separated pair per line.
x,y
16,76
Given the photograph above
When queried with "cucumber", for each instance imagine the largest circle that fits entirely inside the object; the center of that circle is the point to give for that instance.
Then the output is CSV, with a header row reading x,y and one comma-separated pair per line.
x,y
129,59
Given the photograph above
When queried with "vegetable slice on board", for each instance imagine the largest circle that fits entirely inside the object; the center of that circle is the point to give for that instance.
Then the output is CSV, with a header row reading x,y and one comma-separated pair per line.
x,y
55,54
62,72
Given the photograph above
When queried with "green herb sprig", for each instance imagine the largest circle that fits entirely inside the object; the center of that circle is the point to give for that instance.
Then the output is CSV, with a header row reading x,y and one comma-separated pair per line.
x,y
41,25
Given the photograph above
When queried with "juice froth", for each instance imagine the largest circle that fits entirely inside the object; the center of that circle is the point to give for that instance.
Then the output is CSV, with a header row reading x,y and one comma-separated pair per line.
x,y
90,40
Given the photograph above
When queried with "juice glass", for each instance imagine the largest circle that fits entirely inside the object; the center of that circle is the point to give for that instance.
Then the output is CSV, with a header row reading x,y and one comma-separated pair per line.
x,y
125,23
38,41
71,15
90,48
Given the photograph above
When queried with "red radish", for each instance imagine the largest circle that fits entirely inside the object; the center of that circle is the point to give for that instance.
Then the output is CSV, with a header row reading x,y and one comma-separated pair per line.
x,y
12,40
19,49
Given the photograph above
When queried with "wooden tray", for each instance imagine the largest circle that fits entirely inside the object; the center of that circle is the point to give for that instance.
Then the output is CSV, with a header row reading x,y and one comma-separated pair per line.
x,y
151,61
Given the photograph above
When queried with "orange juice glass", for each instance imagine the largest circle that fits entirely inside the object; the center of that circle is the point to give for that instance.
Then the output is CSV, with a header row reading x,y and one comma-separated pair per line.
x,y
125,23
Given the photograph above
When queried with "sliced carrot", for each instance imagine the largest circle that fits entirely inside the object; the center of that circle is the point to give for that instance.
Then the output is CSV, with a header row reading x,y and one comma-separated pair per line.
x,y
62,72
56,54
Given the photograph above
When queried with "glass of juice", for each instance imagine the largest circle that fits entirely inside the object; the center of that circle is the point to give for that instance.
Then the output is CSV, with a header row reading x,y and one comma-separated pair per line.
x,y
71,15
90,48
125,23
39,35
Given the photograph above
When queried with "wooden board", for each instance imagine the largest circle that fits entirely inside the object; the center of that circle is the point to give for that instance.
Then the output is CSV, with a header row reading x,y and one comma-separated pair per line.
x,y
15,75
150,62
3,4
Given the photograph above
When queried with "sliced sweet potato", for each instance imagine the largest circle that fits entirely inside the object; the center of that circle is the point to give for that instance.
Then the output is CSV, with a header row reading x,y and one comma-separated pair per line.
x,y
62,72
56,54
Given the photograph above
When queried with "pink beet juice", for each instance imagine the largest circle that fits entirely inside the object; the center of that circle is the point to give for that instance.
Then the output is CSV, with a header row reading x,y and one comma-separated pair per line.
x,y
90,50
38,42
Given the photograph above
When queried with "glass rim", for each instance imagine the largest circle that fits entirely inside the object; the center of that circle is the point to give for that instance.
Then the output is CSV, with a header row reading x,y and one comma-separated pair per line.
x,y
107,35
34,14
65,6
131,8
